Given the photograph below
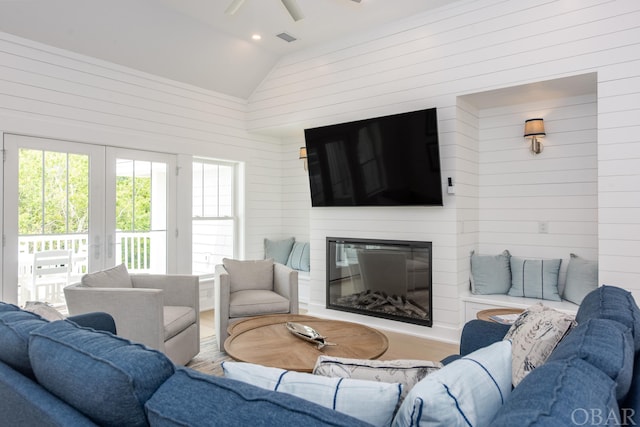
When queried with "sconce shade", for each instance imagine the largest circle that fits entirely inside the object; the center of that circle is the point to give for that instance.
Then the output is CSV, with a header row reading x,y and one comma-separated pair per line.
x,y
303,153
534,127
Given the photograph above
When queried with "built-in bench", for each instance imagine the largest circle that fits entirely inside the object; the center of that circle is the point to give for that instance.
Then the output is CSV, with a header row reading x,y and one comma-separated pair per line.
x,y
475,303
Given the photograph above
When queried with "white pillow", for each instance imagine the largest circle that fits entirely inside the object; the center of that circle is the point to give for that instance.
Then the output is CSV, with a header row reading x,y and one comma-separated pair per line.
x,y
468,391
249,274
116,277
370,401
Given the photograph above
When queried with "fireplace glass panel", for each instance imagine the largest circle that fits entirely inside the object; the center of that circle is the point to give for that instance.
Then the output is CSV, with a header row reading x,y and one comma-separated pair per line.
x,y
382,278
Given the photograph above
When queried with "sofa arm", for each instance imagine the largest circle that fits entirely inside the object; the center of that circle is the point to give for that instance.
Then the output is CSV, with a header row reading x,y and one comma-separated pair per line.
x,y
99,321
285,283
480,333
221,296
138,313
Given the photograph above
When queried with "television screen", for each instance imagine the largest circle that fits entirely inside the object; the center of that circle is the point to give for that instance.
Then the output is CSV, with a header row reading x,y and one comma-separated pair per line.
x,y
384,161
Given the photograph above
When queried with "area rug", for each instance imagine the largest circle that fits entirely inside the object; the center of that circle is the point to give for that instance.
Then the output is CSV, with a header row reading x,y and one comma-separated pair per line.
x,y
209,359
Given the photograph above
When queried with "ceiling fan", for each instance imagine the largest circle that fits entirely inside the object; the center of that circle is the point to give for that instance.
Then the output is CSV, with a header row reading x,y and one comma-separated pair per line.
x,y
291,6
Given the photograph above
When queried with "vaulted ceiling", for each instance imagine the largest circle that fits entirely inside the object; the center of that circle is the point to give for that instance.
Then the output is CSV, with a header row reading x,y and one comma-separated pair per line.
x,y
195,41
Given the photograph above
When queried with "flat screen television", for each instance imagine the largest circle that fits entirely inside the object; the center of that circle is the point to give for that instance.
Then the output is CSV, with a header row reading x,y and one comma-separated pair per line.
x,y
384,161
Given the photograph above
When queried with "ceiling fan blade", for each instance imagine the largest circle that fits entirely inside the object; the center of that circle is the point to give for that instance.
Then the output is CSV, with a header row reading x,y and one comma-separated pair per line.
x,y
233,7
293,9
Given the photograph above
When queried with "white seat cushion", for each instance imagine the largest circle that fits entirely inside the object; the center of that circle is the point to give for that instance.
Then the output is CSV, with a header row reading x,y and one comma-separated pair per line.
x,y
255,302
177,319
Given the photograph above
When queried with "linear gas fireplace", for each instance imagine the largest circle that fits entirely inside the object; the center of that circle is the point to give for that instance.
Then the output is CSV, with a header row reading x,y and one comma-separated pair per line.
x,y
382,278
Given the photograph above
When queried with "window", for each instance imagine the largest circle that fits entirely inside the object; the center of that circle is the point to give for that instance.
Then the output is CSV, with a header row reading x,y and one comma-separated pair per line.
x,y
214,221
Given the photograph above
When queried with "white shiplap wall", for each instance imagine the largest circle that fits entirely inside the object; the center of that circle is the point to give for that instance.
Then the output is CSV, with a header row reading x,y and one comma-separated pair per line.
x,y
54,93
558,187
465,48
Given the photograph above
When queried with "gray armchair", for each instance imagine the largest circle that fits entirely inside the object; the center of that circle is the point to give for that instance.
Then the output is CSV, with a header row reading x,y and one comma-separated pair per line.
x,y
252,288
160,311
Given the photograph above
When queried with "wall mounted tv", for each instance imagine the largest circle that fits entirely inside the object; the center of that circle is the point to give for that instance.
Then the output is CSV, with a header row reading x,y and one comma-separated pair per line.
x,y
384,161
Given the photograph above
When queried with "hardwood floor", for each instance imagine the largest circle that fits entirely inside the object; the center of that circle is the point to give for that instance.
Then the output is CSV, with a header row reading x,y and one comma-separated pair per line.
x,y
401,346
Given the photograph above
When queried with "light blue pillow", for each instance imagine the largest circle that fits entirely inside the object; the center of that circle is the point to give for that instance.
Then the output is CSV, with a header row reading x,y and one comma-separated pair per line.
x,y
279,250
582,278
535,278
299,257
370,401
490,274
466,392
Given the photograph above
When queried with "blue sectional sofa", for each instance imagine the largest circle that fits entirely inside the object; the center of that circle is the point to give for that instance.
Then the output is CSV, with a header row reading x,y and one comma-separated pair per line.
x,y
63,374
592,377
66,375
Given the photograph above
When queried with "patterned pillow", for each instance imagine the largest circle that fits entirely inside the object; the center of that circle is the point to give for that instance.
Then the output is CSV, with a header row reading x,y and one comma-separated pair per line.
x,y
406,372
43,310
535,278
369,401
534,335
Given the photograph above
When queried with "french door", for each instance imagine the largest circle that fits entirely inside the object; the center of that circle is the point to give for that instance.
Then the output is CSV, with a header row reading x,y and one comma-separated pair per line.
x,y
72,208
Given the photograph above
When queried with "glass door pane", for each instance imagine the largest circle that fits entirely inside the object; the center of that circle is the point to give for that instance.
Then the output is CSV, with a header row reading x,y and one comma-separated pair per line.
x,y
47,217
139,190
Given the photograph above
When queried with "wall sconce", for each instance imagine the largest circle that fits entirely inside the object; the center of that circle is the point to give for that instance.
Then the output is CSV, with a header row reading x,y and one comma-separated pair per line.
x,y
534,129
303,156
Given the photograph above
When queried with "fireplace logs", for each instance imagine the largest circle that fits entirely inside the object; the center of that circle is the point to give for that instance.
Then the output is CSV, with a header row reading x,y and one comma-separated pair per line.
x,y
377,300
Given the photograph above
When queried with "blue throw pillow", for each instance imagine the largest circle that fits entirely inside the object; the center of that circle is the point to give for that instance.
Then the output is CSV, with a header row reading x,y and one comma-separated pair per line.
x,y
466,392
605,344
490,274
370,401
610,302
560,393
582,278
193,399
279,250
105,377
299,258
15,326
535,278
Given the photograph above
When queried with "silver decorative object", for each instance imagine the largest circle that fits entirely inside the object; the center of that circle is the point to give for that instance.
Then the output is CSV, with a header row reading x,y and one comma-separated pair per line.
x,y
307,333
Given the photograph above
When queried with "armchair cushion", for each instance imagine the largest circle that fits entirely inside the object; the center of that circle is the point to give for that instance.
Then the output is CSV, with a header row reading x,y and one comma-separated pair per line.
x,y
177,319
116,277
250,302
251,274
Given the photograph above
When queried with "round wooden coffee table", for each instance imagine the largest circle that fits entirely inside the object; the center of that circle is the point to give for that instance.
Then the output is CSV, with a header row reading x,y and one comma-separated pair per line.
x,y
265,340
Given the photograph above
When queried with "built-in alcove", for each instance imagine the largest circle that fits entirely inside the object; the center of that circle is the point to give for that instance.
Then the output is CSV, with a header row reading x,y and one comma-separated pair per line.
x,y
535,205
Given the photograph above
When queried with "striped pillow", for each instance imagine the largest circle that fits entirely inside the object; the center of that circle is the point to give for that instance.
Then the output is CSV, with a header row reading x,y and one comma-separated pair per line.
x,y
299,257
535,278
369,401
468,391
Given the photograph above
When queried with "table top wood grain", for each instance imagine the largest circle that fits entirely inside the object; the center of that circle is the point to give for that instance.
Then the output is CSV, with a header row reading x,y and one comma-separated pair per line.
x,y
265,340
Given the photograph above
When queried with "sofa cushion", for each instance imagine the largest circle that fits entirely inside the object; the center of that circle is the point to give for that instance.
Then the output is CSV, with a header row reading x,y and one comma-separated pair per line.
x,y
535,335
490,274
15,326
279,250
190,398
250,274
605,344
250,302
299,258
631,403
535,278
115,277
582,278
468,391
401,371
560,393
369,401
105,377
8,307
177,319
610,302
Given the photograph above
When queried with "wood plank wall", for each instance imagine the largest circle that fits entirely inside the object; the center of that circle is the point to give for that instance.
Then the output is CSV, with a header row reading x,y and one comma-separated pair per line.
x,y
465,48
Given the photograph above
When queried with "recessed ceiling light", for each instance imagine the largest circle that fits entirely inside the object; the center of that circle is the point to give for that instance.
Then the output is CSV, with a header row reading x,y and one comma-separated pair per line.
x,y
256,37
